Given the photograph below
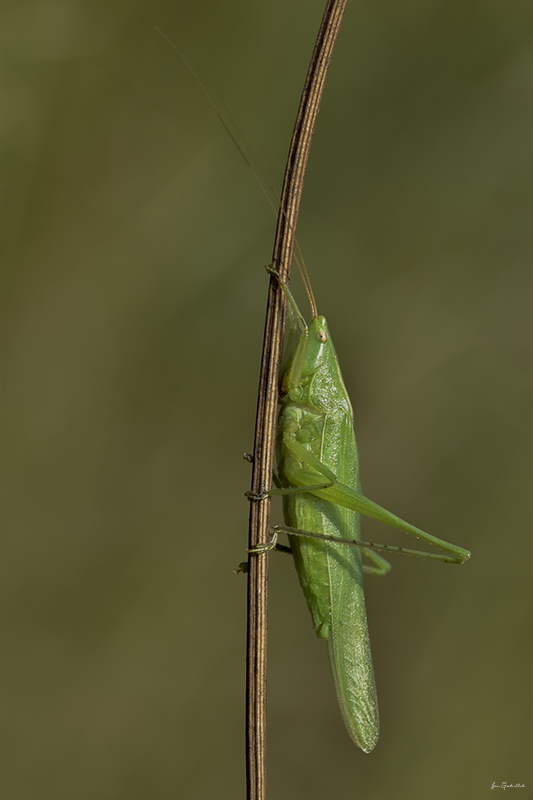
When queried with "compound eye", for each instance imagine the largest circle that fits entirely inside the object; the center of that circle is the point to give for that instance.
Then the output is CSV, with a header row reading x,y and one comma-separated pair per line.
x,y
321,335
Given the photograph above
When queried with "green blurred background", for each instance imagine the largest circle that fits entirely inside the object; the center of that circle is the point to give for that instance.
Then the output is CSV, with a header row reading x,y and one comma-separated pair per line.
x,y
134,297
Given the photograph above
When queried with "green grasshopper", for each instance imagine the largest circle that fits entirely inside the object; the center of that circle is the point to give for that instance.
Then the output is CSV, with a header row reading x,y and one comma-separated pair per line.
x,y
318,476
318,468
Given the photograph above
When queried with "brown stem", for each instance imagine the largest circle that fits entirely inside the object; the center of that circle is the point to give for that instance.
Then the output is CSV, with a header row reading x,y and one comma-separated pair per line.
x,y
268,396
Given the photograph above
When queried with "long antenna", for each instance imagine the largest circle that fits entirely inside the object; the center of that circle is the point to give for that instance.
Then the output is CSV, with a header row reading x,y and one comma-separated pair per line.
x,y
297,257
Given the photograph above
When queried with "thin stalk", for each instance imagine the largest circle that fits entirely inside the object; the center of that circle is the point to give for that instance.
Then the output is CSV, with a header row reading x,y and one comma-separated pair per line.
x,y
268,397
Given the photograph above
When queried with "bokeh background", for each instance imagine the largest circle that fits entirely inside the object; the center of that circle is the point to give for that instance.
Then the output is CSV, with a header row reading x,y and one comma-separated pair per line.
x,y
134,298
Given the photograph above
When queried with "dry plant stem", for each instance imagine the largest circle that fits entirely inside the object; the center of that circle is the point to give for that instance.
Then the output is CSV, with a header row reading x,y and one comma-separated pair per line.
x,y
268,397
